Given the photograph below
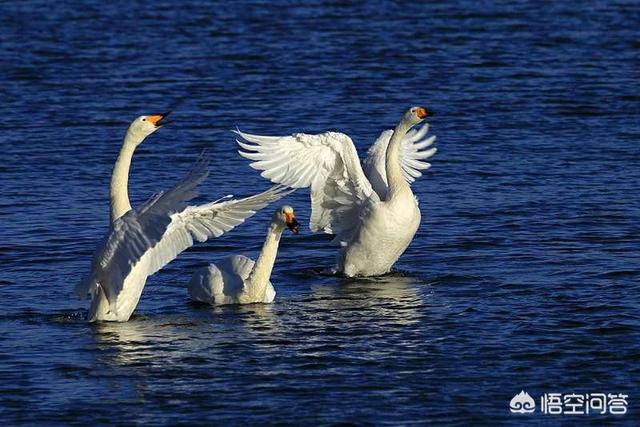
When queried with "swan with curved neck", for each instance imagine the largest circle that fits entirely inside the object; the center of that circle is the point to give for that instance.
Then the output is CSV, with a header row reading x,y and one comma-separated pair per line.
x,y
393,168
140,242
138,131
372,212
238,279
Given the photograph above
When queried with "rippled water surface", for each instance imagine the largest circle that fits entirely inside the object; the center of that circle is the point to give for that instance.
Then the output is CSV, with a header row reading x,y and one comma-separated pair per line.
x,y
524,274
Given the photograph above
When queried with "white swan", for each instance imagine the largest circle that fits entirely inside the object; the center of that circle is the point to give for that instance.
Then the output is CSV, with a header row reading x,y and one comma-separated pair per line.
x,y
141,242
373,213
237,279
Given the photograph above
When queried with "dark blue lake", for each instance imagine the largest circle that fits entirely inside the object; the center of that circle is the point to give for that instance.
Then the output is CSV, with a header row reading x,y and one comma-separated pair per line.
x,y
524,274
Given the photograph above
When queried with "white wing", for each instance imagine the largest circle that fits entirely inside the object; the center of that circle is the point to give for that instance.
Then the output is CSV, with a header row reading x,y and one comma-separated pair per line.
x,y
413,154
328,163
141,243
135,232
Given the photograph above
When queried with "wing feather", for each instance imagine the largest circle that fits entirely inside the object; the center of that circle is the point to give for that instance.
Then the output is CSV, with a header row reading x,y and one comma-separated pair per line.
x,y
413,152
142,242
328,163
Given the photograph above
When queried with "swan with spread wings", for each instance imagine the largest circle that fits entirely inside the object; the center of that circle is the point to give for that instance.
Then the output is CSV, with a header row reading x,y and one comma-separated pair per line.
x,y
140,242
371,211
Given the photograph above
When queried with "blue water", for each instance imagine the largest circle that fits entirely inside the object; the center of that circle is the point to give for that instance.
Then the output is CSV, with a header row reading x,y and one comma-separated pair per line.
x,y
523,275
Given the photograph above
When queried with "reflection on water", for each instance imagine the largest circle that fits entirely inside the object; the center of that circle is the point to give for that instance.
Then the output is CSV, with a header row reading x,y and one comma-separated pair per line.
x,y
149,340
392,298
523,273
309,331
141,340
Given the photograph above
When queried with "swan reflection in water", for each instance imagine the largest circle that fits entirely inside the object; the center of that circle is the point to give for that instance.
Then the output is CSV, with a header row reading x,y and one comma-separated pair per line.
x,y
205,333
378,308
390,299
143,340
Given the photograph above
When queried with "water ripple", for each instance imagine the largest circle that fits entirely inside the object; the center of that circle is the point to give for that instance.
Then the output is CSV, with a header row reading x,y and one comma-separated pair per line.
x,y
523,274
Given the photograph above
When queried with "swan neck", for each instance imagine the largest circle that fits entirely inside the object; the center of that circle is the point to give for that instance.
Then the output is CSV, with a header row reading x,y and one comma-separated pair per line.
x,y
395,179
119,193
261,273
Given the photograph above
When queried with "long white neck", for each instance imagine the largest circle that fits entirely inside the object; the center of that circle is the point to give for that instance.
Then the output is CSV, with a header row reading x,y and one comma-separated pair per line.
x,y
261,273
395,181
119,193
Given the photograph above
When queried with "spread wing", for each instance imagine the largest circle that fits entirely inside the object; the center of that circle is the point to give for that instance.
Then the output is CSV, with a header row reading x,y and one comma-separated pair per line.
x,y
328,163
413,153
141,243
133,233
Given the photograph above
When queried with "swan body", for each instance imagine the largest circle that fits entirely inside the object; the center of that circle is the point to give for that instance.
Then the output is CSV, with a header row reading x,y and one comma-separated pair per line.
x,y
371,211
238,279
140,242
380,238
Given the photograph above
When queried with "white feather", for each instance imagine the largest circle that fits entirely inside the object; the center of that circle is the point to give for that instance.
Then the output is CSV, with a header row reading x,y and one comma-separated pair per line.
x,y
142,242
373,222
412,154
328,163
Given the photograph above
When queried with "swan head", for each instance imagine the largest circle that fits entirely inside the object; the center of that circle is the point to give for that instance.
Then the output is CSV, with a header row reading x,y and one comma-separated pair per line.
x,y
284,216
144,126
416,114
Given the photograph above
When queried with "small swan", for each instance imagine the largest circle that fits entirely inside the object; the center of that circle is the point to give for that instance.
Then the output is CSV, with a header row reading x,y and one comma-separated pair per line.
x,y
238,279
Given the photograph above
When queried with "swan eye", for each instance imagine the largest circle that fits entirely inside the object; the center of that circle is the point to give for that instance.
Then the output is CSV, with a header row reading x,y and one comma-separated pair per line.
x,y
144,119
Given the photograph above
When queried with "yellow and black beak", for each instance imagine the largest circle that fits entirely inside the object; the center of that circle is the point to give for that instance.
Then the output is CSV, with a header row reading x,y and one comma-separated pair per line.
x,y
158,120
423,113
291,222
